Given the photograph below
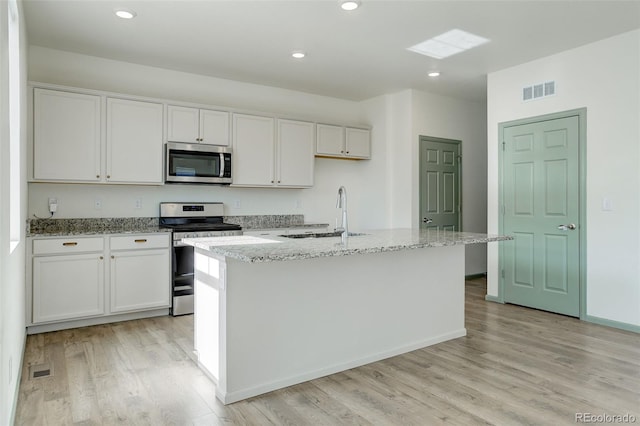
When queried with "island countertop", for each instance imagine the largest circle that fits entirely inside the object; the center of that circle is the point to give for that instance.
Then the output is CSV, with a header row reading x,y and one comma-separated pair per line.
x,y
257,249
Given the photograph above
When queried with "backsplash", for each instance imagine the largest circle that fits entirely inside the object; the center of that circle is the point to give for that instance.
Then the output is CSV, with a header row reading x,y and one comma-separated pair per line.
x,y
266,221
135,224
90,225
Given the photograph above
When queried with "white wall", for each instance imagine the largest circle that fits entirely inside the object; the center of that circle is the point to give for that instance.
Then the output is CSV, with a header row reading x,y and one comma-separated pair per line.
x,y
604,77
12,263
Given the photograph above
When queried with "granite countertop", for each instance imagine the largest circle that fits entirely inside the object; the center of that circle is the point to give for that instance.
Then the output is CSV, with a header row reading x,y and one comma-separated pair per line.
x,y
93,226
146,225
258,249
296,226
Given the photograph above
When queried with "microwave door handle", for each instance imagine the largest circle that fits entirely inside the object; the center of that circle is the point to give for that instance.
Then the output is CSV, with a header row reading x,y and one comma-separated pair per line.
x,y
221,165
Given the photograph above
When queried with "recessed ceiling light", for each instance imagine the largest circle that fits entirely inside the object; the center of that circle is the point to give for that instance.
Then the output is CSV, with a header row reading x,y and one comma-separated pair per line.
x,y
350,5
447,44
434,73
125,13
298,55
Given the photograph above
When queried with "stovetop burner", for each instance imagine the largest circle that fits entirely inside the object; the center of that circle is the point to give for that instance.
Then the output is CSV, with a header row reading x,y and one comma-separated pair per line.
x,y
195,217
189,227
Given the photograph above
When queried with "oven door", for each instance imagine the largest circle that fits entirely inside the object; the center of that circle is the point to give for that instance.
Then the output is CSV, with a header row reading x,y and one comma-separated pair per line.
x,y
182,284
192,163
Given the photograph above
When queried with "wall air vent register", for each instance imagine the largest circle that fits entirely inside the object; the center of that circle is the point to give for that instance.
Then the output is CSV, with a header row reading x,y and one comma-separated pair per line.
x,y
538,90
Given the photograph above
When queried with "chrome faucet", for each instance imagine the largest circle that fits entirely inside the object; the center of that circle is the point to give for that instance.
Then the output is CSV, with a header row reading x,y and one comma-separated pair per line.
x,y
342,203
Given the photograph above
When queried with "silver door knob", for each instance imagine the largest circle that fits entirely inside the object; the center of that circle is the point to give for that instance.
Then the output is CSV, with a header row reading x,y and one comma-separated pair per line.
x,y
568,227
426,220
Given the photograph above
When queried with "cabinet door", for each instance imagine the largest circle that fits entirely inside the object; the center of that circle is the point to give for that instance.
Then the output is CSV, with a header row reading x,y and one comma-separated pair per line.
x,y
214,127
67,287
295,155
140,280
134,141
66,136
358,143
183,124
330,140
253,150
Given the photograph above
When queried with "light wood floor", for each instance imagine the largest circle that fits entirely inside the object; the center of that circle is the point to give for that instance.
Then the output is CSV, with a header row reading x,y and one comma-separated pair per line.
x,y
515,366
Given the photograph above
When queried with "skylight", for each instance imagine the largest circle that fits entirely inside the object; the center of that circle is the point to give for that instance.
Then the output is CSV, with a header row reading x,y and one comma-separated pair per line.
x,y
448,44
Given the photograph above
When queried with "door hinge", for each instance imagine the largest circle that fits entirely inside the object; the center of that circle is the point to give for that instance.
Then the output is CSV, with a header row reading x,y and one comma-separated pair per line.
x,y
504,210
502,273
504,144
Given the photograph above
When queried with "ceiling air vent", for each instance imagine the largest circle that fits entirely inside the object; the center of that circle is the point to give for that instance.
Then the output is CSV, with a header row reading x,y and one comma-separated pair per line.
x,y
538,90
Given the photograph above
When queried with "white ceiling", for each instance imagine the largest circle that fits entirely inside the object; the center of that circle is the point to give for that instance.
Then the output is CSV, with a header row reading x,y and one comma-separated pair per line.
x,y
352,55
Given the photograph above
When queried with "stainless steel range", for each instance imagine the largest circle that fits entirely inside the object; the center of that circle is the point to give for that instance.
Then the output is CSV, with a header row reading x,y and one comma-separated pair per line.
x,y
191,220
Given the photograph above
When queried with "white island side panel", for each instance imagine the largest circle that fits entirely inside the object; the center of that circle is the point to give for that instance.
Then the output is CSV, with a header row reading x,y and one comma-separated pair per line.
x,y
282,323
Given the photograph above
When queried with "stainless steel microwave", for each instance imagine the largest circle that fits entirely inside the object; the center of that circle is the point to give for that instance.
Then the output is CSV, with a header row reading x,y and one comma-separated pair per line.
x,y
197,163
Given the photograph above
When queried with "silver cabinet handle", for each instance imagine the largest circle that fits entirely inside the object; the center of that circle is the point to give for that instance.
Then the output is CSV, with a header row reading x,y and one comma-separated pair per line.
x,y
568,227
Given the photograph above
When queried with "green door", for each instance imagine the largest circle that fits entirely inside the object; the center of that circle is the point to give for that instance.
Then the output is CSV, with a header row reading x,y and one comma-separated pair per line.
x,y
541,211
439,184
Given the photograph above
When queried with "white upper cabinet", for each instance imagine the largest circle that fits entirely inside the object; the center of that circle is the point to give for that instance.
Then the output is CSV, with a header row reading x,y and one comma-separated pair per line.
x,y
265,157
68,139
193,125
357,143
66,136
134,141
85,136
343,142
253,150
330,140
294,153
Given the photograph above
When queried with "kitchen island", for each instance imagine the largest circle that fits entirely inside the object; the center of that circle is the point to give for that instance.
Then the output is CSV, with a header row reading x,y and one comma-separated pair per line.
x,y
274,312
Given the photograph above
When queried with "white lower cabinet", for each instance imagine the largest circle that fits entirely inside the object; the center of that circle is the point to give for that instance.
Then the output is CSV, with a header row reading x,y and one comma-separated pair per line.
x,y
68,277
139,276
68,286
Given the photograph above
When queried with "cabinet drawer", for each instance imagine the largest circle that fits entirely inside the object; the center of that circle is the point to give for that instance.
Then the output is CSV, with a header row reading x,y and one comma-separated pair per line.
x,y
132,242
67,245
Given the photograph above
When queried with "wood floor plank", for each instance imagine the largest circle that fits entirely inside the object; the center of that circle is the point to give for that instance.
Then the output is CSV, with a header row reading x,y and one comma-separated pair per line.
x,y
321,406
516,366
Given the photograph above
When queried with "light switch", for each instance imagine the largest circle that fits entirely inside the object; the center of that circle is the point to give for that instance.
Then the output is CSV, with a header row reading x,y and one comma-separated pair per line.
x,y
606,204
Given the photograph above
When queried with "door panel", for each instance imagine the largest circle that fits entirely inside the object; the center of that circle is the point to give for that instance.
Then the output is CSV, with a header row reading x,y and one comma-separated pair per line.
x,y
540,193
439,184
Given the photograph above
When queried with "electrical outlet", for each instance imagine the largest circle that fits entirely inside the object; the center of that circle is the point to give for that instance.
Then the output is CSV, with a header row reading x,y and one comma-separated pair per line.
x,y
138,203
236,204
298,204
53,205
97,204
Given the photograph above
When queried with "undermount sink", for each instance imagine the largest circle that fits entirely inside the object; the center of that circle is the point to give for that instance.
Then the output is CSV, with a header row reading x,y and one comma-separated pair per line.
x,y
321,235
